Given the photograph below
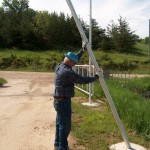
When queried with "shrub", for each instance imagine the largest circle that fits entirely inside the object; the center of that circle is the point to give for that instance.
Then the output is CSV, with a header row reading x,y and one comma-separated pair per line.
x,y
36,62
105,57
132,107
19,63
53,60
2,81
139,85
6,62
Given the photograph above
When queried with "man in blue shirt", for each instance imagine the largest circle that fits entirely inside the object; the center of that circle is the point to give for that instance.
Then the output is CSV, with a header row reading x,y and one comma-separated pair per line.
x,y
65,78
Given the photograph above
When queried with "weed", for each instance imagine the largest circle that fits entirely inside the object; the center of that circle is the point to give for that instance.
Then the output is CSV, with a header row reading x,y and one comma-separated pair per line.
x,y
2,81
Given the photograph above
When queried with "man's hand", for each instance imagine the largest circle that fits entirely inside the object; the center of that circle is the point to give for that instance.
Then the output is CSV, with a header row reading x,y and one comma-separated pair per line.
x,y
96,76
83,46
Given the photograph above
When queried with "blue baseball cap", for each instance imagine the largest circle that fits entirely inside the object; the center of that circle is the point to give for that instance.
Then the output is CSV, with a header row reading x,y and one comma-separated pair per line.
x,y
72,56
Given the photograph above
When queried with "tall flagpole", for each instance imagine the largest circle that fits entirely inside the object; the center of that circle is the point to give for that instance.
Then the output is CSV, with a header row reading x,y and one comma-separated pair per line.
x,y
90,42
91,86
149,42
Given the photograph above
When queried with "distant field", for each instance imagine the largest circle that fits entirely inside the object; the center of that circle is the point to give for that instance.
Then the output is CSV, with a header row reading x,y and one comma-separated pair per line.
x,y
136,62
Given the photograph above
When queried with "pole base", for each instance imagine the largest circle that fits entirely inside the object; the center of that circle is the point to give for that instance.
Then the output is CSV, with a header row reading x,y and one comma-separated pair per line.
x,y
91,104
122,146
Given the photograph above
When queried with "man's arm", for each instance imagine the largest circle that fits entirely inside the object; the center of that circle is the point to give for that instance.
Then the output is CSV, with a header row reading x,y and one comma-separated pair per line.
x,y
76,78
80,53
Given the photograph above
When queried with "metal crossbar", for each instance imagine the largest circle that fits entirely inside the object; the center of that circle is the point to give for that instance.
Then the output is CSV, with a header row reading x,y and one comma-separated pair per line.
x,y
84,71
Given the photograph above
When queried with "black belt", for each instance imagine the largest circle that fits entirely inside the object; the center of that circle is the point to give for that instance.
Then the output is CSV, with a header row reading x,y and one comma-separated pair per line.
x,y
58,99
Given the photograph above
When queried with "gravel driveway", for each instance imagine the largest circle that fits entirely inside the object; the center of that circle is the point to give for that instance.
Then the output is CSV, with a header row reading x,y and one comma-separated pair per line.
x,y
27,117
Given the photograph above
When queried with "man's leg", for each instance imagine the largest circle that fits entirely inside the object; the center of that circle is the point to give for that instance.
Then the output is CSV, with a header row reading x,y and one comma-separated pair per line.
x,y
56,144
63,122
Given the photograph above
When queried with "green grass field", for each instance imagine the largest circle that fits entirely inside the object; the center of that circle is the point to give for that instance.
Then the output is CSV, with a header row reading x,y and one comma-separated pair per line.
x,y
137,62
96,127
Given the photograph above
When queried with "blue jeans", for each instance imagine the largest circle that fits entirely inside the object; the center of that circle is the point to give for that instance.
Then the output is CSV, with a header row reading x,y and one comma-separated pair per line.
x,y
63,122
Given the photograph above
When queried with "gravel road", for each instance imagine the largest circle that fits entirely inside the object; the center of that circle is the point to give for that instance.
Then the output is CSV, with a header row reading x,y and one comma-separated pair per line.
x,y
27,116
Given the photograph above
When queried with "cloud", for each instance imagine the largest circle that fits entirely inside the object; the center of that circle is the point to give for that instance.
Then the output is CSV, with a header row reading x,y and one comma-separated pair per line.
x,y
49,5
136,13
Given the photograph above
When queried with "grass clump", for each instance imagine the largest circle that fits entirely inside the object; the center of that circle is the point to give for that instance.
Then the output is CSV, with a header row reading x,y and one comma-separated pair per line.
x,y
2,81
91,126
132,107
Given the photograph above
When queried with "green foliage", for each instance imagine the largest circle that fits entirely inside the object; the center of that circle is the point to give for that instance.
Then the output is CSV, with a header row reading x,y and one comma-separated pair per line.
x,y
98,34
18,60
47,60
18,63
123,39
17,24
132,107
106,61
29,29
7,61
146,40
141,49
2,81
93,125
140,85
53,60
24,28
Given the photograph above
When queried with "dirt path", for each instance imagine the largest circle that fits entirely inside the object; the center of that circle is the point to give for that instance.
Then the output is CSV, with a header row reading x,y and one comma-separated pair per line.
x,y
27,116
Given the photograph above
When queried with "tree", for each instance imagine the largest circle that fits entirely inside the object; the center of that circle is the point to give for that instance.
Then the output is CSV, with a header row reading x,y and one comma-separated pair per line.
x,y
146,40
2,18
97,34
24,28
73,35
121,36
18,23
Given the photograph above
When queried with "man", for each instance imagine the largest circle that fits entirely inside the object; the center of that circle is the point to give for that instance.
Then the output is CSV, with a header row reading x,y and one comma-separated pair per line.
x,y
65,78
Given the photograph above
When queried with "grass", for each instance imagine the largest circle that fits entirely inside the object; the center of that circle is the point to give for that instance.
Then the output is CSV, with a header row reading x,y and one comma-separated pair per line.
x,y
29,61
96,127
141,63
91,126
136,62
138,85
132,107
143,47
2,81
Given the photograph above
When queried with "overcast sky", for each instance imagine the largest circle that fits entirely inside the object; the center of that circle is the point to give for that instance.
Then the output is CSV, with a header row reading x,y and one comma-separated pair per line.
x,y
136,12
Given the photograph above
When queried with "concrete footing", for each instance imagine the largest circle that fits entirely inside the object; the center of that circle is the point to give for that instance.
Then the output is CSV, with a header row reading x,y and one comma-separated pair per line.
x,y
122,146
91,104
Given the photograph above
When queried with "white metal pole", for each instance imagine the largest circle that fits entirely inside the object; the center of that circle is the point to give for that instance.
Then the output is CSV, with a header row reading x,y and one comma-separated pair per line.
x,y
90,42
149,42
101,79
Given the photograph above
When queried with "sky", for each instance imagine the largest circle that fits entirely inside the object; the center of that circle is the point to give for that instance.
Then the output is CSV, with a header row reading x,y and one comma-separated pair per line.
x,y
136,12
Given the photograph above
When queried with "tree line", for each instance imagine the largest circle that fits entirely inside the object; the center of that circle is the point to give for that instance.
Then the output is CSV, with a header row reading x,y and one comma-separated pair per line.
x,y
24,28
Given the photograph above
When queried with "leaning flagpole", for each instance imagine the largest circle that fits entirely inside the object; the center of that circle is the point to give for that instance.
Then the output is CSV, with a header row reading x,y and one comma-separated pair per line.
x,y
101,79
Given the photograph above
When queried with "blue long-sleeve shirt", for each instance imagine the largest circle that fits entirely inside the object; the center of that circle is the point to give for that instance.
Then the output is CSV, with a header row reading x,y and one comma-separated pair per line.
x,y
65,78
